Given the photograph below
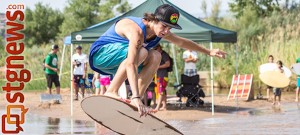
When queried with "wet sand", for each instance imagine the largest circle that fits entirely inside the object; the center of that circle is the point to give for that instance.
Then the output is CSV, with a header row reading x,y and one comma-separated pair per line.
x,y
173,112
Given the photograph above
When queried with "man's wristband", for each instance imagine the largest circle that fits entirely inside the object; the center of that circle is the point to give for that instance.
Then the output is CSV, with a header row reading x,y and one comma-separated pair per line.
x,y
135,97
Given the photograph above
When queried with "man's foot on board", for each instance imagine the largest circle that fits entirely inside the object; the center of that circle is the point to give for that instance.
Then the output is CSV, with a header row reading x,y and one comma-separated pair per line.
x,y
116,96
112,94
296,100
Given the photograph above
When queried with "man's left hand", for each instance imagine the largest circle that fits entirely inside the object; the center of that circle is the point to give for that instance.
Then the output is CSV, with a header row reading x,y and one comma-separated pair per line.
x,y
218,53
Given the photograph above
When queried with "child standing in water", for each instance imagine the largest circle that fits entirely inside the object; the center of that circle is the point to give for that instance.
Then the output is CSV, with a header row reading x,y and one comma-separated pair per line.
x,y
277,91
96,83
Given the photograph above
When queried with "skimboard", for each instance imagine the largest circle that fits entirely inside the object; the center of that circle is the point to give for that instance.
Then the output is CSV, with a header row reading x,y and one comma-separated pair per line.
x,y
273,67
124,118
274,79
296,68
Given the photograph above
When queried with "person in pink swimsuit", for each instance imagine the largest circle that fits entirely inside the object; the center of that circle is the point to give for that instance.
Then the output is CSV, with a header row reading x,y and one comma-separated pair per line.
x,y
104,83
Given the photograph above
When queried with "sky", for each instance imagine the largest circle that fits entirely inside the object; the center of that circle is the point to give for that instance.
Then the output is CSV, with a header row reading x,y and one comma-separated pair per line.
x,y
191,6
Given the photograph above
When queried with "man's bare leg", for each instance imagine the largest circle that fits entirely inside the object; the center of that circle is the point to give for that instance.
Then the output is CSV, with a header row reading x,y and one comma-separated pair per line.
x,y
161,102
82,90
149,69
121,75
160,98
76,91
49,89
164,102
58,90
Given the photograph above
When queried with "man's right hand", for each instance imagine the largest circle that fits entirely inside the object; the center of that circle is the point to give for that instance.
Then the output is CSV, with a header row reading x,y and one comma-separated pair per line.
x,y
143,110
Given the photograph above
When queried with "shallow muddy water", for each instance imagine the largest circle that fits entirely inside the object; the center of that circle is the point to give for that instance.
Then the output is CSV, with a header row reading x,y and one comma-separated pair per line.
x,y
270,120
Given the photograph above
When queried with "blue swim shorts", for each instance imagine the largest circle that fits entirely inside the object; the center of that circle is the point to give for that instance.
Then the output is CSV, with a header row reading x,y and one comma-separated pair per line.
x,y
109,57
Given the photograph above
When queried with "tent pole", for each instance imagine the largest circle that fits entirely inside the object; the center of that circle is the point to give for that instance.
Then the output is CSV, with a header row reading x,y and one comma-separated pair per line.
x,y
71,87
237,73
212,82
237,59
174,58
62,61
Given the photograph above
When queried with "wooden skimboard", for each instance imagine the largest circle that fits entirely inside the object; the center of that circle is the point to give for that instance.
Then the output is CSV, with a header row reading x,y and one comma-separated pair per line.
x,y
273,67
296,68
274,79
123,118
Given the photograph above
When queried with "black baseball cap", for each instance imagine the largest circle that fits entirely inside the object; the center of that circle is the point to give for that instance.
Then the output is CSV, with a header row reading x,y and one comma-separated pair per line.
x,y
168,15
54,47
78,47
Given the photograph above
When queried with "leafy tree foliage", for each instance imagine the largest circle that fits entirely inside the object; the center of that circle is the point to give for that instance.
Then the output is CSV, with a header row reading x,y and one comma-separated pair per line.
x,y
261,7
42,24
80,14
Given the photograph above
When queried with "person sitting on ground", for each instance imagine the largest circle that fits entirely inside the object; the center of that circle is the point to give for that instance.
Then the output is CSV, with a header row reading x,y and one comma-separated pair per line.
x,y
110,53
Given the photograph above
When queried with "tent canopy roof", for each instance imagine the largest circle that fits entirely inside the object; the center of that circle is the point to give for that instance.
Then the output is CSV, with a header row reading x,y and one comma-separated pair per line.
x,y
192,28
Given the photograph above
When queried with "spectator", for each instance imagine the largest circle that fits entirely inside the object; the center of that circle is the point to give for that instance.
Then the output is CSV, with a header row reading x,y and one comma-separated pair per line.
x,y
96,82
104,83
298,83
277,91
51,69
162,78
190,58
270,60
79,60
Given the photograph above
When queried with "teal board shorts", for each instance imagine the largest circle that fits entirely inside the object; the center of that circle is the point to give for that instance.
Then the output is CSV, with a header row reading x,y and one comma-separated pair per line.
x,y
109,57
298,81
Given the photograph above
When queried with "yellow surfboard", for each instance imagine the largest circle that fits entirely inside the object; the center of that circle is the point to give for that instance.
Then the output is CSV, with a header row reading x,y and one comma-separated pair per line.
x,y
274,79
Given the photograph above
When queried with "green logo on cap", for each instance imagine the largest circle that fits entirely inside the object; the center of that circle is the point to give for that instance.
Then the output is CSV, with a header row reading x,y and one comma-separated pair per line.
x,y
174,18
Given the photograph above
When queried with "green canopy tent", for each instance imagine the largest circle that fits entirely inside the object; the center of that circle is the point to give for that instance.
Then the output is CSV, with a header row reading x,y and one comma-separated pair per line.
x,y
192,28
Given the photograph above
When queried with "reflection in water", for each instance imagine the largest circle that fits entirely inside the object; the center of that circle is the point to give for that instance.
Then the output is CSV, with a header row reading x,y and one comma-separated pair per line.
x,y
53,126
270,120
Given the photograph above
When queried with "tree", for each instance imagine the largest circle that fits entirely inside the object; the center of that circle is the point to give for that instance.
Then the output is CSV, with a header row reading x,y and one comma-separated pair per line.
x,y
204,8
215,12
42,24
261,7
80,14
1,42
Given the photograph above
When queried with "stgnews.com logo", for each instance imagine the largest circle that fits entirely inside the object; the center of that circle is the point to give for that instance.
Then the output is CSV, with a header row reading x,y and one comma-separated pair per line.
x,y
15,74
